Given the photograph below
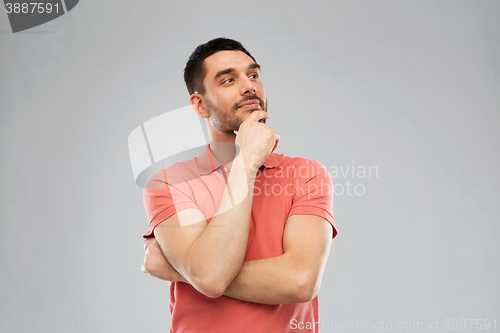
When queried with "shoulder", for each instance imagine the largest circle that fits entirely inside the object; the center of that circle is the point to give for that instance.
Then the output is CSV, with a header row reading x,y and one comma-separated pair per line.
x,y
176,173
301,166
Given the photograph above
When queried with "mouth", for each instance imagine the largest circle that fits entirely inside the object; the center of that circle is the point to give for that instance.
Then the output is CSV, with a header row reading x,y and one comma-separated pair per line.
x,y
253,104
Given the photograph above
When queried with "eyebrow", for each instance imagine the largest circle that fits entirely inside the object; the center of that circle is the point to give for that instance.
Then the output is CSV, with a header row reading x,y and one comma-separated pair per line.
x,y
232,69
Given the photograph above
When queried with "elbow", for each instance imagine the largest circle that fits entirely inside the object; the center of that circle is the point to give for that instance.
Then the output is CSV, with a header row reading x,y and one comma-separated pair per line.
x,y
306,289
306,295
213,291
211,283
209,287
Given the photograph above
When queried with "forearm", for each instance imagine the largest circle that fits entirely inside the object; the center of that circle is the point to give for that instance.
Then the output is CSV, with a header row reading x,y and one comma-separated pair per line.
x,y
276,280
223,242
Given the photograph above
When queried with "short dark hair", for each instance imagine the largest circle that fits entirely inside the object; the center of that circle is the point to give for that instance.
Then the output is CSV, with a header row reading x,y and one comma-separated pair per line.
x,y
195,70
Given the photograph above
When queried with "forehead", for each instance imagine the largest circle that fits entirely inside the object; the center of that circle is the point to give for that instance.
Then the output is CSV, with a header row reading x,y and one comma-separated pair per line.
x,y
226,59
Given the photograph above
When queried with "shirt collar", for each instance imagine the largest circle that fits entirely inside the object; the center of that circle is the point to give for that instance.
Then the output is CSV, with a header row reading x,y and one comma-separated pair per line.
x,y
207,163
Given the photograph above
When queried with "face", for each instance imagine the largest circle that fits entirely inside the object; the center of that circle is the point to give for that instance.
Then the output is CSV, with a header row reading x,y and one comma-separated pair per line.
x,y
233,89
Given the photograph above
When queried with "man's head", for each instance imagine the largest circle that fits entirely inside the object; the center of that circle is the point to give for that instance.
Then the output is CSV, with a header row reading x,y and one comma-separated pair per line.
x,y
224,82
195,70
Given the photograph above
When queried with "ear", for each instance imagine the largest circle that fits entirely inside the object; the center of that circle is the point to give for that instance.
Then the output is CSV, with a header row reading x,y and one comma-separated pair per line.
x,y
197,103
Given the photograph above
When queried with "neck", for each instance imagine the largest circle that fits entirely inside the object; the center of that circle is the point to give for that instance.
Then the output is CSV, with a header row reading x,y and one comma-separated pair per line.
x,y
221,144
223,152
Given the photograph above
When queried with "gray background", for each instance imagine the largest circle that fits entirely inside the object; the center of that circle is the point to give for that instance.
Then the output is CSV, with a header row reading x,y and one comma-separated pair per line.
x,y
412,87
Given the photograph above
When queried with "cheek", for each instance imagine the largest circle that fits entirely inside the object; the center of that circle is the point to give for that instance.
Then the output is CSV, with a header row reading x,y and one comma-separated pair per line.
x,y
211,98
219,100
260,87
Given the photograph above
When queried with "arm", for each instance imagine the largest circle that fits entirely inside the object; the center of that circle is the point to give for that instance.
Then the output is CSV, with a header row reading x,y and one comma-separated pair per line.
x,y
157,265
293,277
192,246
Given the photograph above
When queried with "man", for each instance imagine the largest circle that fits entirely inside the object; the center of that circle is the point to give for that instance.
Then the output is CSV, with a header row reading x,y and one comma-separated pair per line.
x,y
242,233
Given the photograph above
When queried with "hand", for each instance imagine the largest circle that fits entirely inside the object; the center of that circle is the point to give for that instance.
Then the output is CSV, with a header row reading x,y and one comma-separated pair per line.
x,y
256,139
157,265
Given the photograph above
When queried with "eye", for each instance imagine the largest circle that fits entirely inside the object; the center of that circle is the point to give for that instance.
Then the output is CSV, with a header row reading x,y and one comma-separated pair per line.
x,y
228,80
254,76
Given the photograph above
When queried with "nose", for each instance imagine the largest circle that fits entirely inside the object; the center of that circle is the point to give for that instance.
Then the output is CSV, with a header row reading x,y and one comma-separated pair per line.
x,y
248,87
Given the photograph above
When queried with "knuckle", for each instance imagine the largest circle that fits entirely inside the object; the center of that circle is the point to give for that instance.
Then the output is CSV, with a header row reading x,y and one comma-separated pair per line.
x,y
146,267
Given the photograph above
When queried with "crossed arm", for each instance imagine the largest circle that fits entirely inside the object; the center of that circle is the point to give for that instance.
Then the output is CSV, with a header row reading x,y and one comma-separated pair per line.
x,y
293,277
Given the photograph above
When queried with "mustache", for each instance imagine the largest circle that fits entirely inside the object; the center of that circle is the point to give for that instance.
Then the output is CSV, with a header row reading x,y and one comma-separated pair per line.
x,y
249,98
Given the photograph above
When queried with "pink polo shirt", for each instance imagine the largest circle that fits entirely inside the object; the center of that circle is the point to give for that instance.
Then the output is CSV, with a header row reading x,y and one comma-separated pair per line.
x,y
284,186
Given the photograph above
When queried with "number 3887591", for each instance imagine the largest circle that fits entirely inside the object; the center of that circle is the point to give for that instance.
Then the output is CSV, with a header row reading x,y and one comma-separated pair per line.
x,y
31,7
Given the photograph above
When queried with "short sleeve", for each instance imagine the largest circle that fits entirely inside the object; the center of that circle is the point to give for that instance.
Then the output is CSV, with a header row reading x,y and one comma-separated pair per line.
x,y
162,200
314,195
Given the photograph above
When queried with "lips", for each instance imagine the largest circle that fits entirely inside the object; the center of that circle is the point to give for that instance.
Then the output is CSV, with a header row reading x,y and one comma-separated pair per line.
x,y
253,104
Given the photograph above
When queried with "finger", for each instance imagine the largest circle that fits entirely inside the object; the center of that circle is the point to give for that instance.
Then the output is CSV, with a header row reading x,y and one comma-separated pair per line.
x,y
258,115
148,241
